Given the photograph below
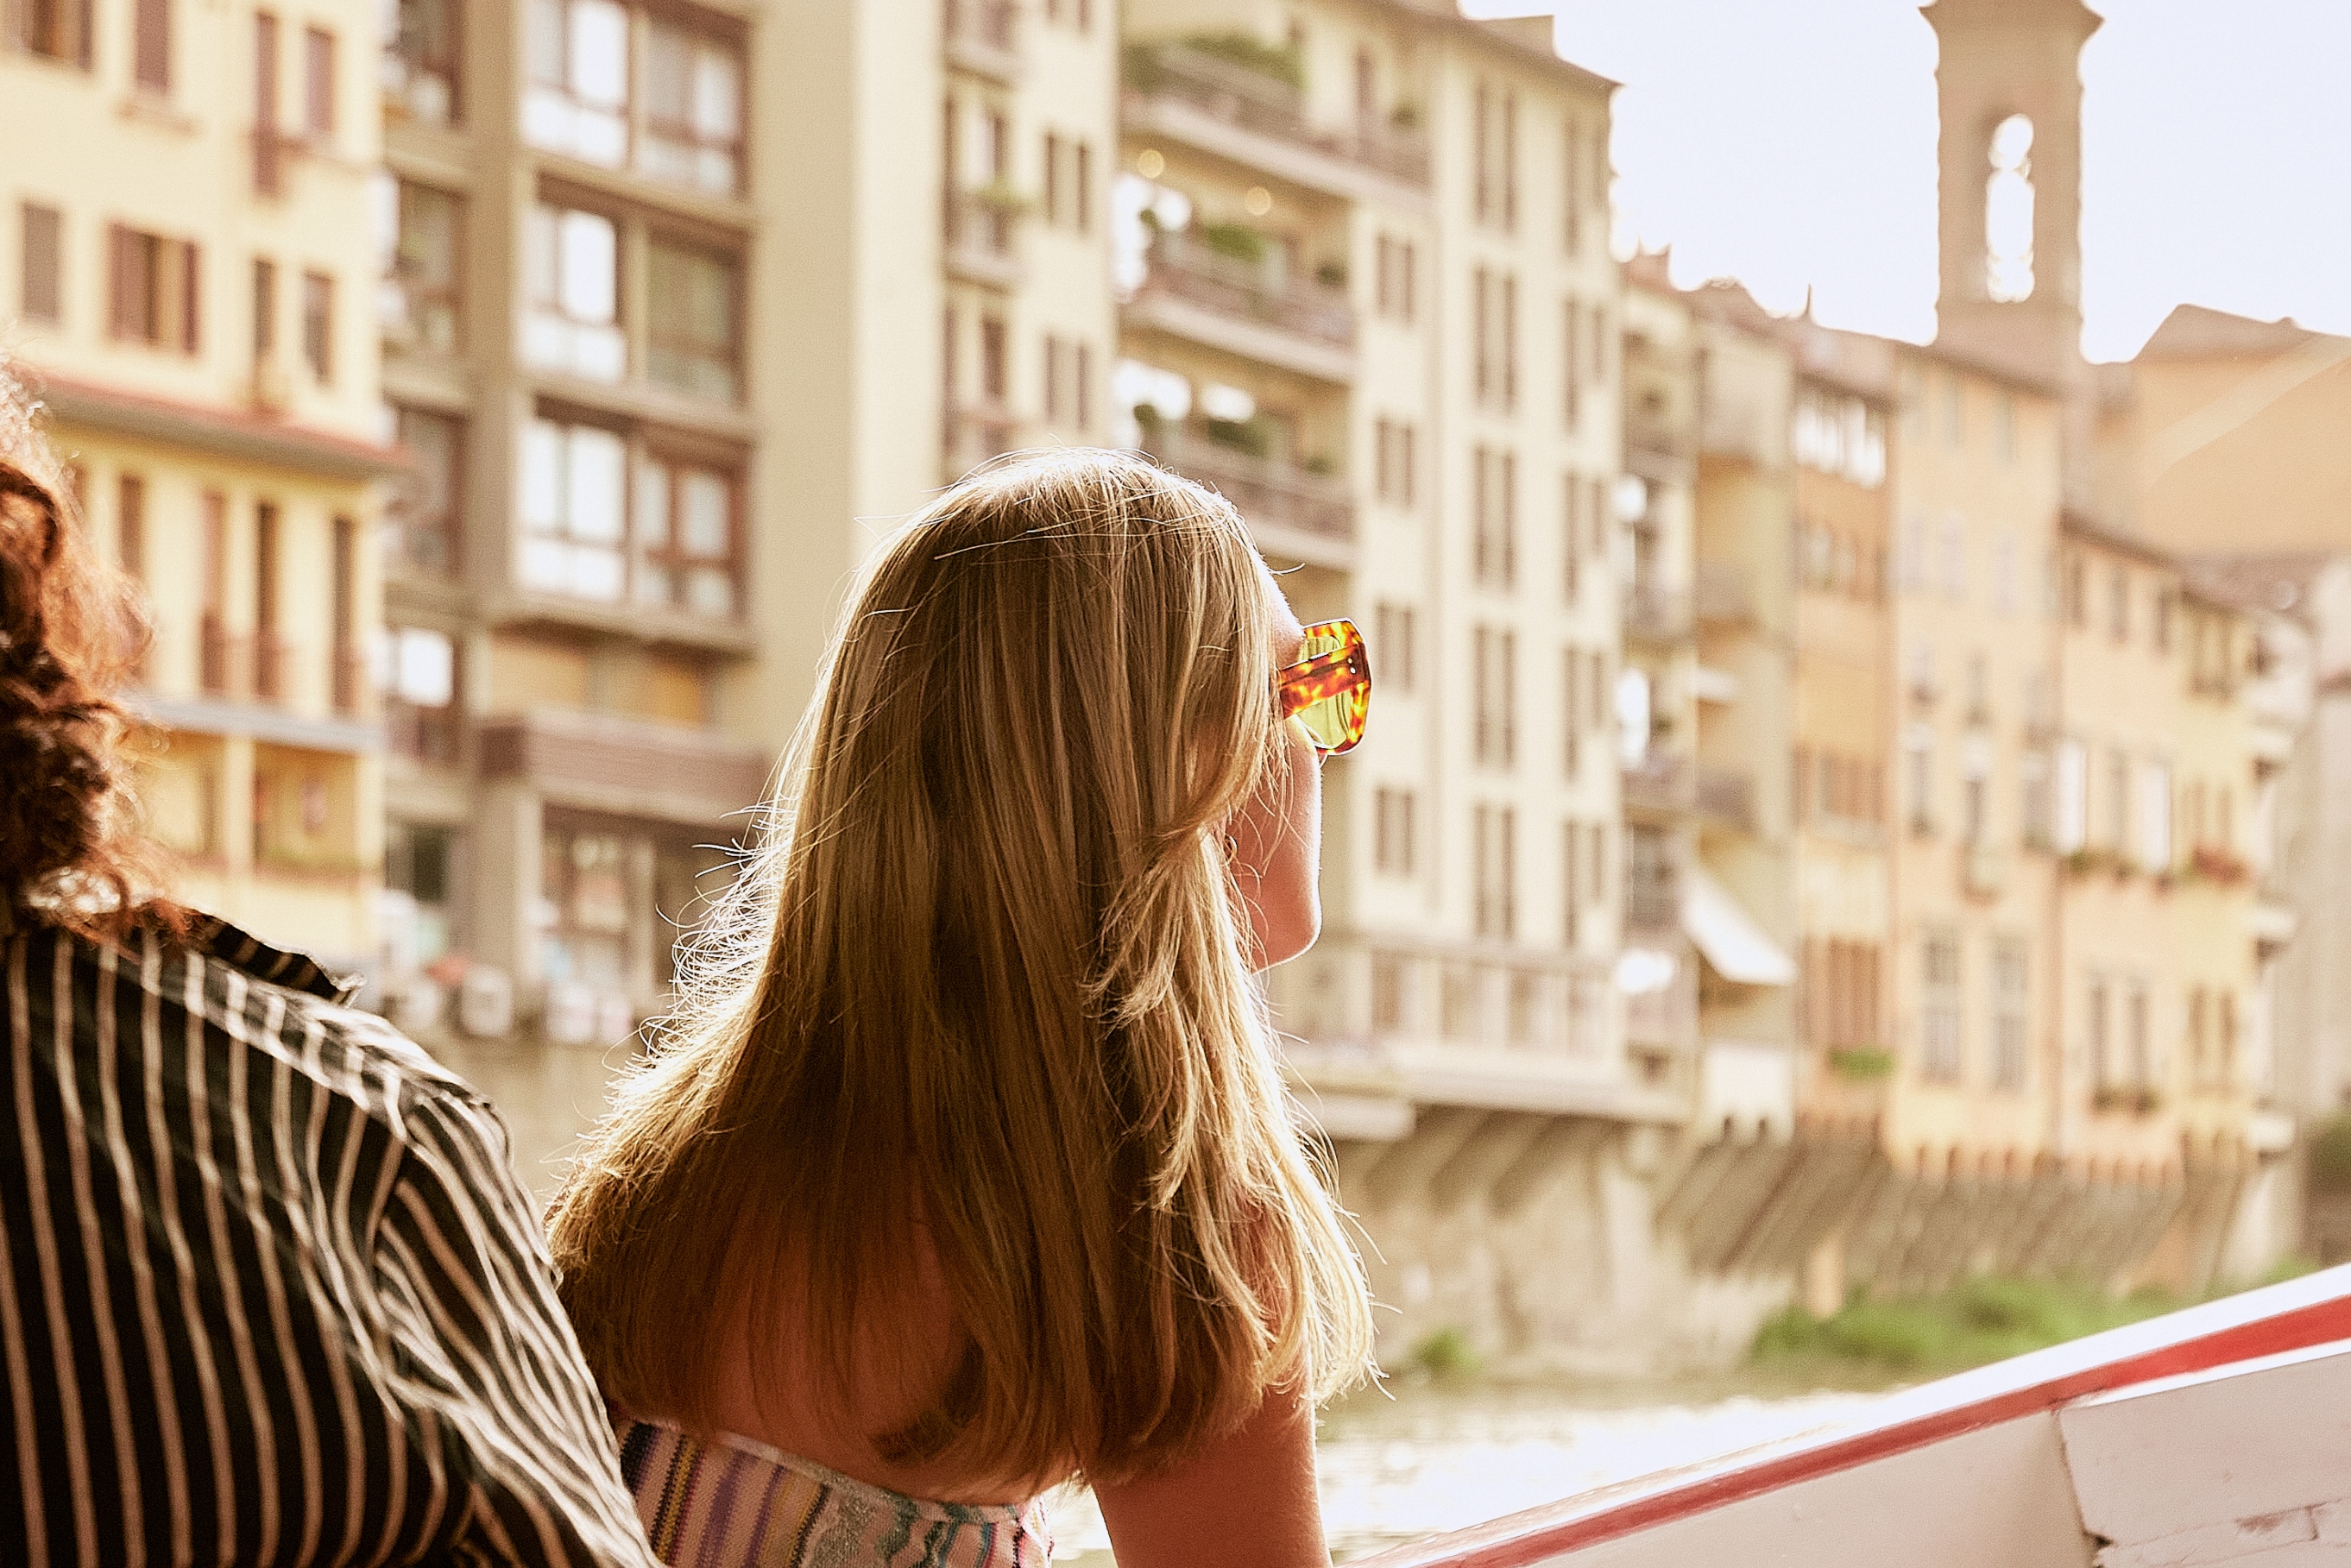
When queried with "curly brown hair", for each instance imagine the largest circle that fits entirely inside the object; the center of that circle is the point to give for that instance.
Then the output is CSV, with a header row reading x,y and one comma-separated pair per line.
x,y
71,630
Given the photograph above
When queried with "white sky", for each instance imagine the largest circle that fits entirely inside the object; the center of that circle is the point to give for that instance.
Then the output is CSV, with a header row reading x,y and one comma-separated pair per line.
x,y
1791,142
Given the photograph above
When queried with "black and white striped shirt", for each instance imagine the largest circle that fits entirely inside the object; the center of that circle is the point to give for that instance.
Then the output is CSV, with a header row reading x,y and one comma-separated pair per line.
x,y
270,1294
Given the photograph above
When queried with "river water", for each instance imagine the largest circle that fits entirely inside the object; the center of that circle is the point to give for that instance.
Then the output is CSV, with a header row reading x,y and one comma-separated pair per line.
x,y
1425,1457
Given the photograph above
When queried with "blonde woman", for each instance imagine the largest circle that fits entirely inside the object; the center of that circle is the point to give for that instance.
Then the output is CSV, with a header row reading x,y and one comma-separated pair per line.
x,y
967,1167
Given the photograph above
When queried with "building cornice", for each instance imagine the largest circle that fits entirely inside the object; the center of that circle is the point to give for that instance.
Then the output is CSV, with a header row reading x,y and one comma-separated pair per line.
x,y
219,431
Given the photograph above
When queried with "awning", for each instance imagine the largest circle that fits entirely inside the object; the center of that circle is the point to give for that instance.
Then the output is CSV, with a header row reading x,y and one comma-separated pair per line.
x,y
1734,945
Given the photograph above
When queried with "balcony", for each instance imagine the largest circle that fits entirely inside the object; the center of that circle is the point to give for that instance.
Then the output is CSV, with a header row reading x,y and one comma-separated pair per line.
x,y
1259,121
1725,594
1243,307
981,229
982,36
1656,615
1659,784
221,659
1653,900
1727,798
974,432
1293,511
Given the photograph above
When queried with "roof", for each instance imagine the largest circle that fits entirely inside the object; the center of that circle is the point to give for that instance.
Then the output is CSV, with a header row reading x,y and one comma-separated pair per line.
x,y
2276,584
2081,526
1526,39
2195,332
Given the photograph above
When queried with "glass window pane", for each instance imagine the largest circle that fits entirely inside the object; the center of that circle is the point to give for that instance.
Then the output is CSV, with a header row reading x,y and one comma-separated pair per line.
x,y
652,505
546,43
427,668
590,267
595,479
599,53
669,69
546,565
655,584
709,592
596,574
717,94
538,271
705,515
542,476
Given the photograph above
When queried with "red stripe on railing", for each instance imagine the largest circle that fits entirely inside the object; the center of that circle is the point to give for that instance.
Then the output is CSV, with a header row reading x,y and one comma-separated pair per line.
x,y
2293,1316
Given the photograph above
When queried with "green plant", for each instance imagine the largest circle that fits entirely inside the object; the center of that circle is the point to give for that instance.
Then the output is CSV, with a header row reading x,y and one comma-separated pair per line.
x,y
1251,436
2136,1099
1238,241
1321,465
1445,1353
1862,1063
1001,196
2330,1155
1405,117
1332,275
1278,62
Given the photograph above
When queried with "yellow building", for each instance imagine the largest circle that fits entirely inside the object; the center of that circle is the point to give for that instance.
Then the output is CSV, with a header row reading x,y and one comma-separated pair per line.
x,y
188,292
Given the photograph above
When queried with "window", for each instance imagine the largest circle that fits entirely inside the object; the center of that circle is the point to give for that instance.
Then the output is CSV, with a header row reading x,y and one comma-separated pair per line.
x,y
2155,818
319,84
265,159
2010,1015
131,524
2118,604
1083,207
1918,760
423,290
40,280
2137,1039
574,532
1571,537
571,274
2008,212
269,655
577,98
1572,720
2163,613
2003,428
343,616
420,862
670,544
151,47
1510,346
2003,575
2103,1065
992,358
218,656
1940,1051
685,538
1495,483
417,692
1495,368
1494,655
694,111
1392,444
54,29
1841,434
318,326
1497,151
1394,815
1495,830
692,322
421,515
154,290
420,60
1481,289
1840,994
1571,203
1392,266
264,311
584,897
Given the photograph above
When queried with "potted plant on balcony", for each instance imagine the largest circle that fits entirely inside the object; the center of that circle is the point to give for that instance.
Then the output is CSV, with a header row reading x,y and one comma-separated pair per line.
x,y
1276,62
1862,1063
1238,241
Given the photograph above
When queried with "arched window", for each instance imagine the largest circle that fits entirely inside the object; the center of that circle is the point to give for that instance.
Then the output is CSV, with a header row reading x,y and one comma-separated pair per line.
x,y
2008,212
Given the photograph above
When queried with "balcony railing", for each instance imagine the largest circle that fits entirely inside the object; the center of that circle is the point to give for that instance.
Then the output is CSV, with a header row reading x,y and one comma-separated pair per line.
x,y
272,666
1659,782
1726,797
1653,900
982,36
1186,269
974,433
1253,100
1269,490
351,690
982,235
222,659
1655,614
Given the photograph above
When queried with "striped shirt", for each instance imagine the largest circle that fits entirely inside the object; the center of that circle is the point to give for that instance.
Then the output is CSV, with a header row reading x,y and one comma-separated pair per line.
x,y
270,1292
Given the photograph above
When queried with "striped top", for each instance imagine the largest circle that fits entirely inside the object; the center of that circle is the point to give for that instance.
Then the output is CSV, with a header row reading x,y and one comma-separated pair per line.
x,y
730,1502
270,1294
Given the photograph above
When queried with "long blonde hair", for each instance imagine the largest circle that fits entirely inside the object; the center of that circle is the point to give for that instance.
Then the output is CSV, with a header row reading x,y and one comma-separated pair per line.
x,y
988,967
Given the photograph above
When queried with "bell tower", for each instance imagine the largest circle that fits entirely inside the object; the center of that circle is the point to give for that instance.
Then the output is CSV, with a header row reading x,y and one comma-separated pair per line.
x,y
2009,85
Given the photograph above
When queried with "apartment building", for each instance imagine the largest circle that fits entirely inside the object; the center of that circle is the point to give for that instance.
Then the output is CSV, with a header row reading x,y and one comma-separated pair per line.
x,y
1656,735
1841,445
1741,907
188,295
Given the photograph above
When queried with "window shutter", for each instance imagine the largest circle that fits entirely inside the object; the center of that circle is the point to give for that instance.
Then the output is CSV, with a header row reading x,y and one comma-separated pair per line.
x,y
189,294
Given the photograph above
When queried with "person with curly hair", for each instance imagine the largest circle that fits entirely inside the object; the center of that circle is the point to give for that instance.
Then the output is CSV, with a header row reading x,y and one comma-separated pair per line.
x,y
269,1292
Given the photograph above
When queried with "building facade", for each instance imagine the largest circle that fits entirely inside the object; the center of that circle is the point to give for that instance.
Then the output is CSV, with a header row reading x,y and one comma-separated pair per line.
x,y
189,296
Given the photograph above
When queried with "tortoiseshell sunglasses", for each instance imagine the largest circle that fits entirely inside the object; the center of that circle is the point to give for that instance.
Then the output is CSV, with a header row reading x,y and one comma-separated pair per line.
x,y
1329,690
